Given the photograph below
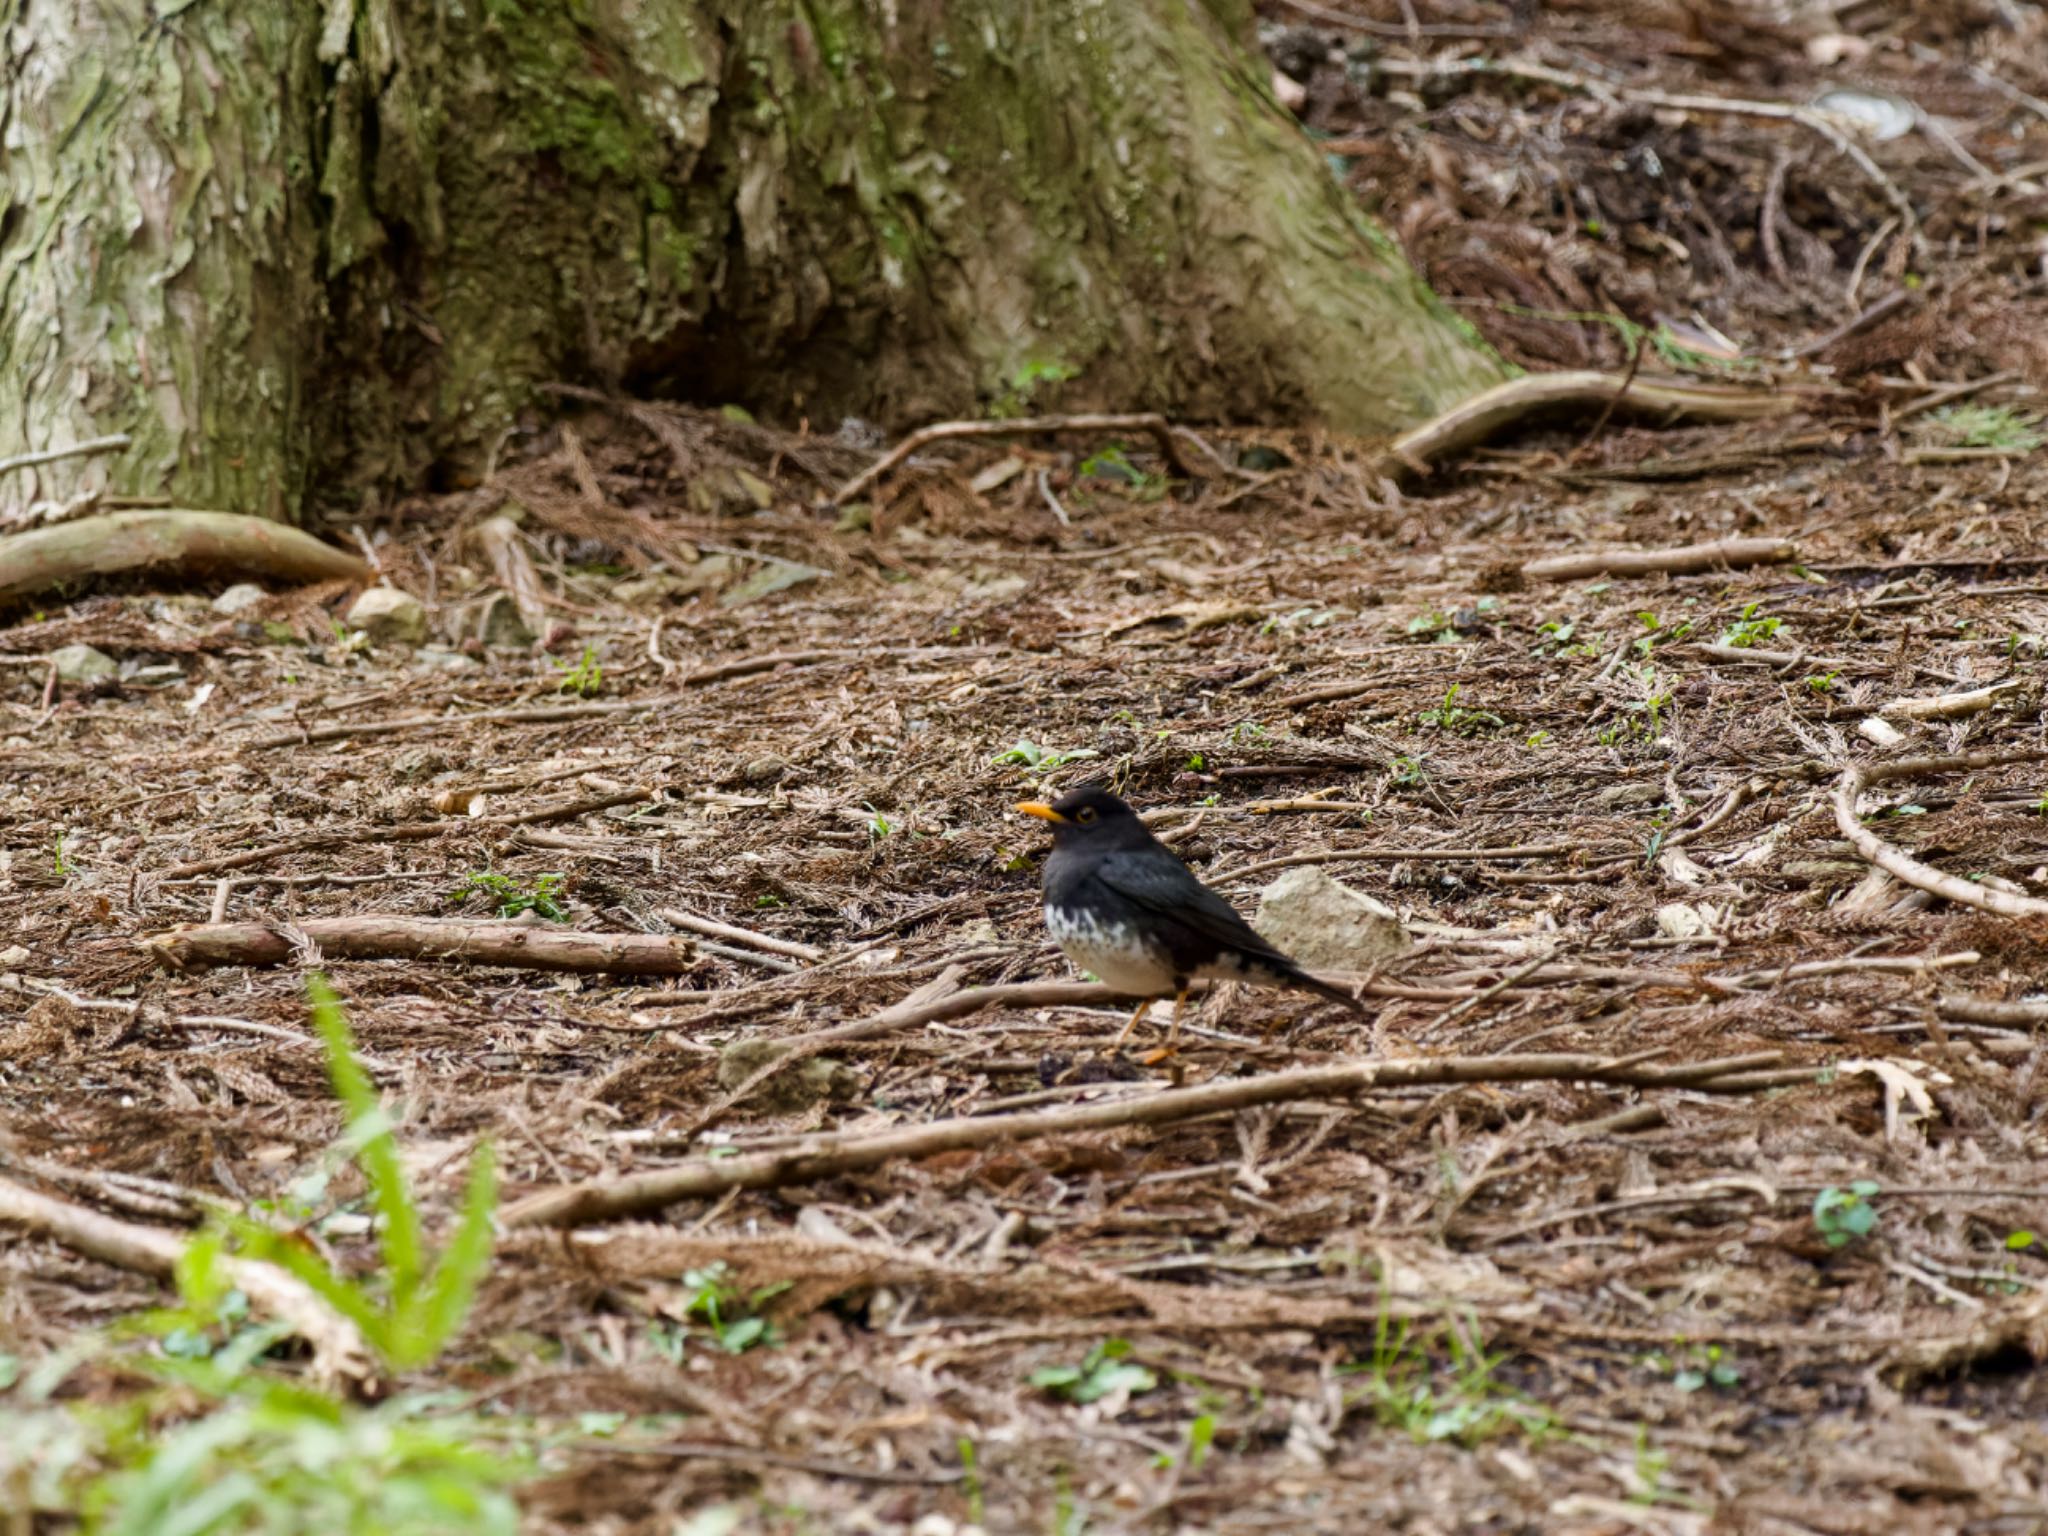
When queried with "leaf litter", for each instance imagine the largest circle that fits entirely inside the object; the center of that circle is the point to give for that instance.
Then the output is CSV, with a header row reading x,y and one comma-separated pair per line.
x,y
1601,806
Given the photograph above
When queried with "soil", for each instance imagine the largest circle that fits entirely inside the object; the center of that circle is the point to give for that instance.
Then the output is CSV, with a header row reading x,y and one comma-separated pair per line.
x,y
1494,1307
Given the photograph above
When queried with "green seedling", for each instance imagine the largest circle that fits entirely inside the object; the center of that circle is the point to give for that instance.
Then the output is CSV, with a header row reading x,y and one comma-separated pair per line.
x,y
1750,631
1823,682
1114,464
1454,719
1105,1369
1441,628
511,896
585,678
1037,759
1458,1397
1843,1216
1693,1367
1998,427
1659,633
732,1315
1023,383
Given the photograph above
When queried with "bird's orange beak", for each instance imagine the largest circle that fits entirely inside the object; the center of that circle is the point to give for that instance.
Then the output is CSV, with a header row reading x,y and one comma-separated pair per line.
x,y
1039,809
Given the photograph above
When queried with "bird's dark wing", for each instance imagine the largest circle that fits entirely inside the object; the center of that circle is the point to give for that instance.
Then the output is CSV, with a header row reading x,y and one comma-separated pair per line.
x,y
1158,882
1198,926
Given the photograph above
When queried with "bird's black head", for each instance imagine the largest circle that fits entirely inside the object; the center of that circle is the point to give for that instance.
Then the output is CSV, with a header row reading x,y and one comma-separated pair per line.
x,y
1092,816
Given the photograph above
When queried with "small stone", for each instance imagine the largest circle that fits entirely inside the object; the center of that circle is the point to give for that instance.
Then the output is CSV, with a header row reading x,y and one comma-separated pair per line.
x,y
1681,920
504,628
389,617
83,664
1326,925
14,957
434,658
243,595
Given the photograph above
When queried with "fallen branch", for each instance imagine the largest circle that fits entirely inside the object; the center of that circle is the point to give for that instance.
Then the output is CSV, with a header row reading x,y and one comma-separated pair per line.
x,y
716,930
338,1349
1949,706
1902,866
1757,657
543,714
178,540
1477,419
1721,555
822,1157
526,946
1965,1009
1160,429
410,831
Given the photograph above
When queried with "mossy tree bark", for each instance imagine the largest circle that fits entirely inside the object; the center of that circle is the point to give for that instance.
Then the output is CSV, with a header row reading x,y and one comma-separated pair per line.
x,y
310,249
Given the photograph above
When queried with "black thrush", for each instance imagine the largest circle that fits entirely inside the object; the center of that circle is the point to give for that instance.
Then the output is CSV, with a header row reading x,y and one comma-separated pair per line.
x,y
1120,903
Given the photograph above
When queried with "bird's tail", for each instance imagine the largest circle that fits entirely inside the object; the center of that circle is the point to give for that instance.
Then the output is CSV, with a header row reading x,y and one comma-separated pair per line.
x,y
1330,990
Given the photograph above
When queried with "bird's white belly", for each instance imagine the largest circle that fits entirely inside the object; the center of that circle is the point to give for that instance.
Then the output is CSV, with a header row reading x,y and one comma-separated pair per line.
x,y
1115,954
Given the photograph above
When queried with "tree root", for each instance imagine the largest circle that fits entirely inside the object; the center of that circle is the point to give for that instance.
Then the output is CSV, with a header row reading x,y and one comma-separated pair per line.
x,y
1473,421
178,540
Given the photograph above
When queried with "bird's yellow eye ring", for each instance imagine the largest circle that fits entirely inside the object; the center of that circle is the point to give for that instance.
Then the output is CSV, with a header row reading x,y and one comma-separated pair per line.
x,y
1085,815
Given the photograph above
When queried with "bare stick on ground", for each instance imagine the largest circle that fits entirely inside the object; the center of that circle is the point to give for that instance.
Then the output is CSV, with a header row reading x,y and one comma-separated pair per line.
x,y
821,1157
1689,559
338,1349
175,540
525,946
1902,866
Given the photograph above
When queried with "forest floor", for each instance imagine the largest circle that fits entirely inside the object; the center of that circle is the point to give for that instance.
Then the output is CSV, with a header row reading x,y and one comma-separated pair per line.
x,y
1806,1301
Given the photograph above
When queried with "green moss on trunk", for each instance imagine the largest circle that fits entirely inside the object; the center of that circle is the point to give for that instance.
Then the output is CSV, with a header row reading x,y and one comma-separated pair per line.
x,y
394,218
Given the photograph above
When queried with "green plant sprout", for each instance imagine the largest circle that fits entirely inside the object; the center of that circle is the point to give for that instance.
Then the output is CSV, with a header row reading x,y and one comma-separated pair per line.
x,y
732,1315
585,678
540,895
1105,1369
1998,427
1843,1216
1037,759
1750,631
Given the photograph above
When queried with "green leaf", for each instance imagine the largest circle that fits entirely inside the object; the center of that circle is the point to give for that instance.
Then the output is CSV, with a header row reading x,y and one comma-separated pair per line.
x,y
1055,1378
376,1148
448,1295
2013,1240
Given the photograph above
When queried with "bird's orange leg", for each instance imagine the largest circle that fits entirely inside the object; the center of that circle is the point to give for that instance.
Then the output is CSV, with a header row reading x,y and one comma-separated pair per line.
x,y
1137,1014
1180,1004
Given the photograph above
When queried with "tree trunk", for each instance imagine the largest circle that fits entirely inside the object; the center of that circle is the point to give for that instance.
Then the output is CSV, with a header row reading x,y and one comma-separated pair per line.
x,y
295,249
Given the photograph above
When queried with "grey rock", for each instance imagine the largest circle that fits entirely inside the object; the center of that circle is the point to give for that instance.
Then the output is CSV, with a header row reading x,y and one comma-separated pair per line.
x,y
83,664
1326,925
389,617
239,598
